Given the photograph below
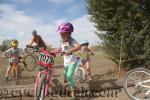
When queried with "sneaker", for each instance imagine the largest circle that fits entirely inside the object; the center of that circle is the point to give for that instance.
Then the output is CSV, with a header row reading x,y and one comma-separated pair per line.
x,y
90,78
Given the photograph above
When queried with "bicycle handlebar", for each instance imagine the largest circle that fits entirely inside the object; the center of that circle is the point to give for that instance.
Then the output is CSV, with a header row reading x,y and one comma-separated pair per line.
x,y
30,46
34,48
37,49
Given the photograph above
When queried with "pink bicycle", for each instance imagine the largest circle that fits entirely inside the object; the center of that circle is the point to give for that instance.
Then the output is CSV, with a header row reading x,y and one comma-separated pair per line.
x,y
43,77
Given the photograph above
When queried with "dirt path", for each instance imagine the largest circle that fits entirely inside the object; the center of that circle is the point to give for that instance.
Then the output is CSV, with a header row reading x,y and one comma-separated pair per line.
x,y
103,72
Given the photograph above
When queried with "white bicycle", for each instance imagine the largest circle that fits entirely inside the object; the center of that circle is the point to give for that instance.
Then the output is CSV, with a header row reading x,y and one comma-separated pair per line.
x,y
137,84
79,74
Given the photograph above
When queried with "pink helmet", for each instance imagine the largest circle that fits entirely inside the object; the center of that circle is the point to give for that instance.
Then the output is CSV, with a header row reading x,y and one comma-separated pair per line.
x,y
65,27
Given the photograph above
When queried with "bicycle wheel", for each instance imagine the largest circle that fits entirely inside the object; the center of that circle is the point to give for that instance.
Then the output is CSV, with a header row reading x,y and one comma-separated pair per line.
x,y
30,62
79,74
132,85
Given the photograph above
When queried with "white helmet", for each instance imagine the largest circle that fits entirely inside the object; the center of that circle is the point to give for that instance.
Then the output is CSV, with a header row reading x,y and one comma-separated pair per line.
x,y
85,43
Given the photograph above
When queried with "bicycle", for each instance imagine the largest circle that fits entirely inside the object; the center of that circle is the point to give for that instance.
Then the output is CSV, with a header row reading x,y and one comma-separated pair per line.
x,y
43,78
137,84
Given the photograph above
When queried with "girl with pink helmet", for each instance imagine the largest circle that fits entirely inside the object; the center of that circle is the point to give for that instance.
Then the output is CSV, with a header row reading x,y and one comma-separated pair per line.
x,y
68,45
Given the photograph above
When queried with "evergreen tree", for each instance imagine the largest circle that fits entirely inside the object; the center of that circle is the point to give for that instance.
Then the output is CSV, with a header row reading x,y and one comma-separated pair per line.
x,y
127,26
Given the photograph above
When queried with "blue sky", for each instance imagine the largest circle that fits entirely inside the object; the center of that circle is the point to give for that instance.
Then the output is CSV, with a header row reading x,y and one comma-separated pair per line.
x,y
19,17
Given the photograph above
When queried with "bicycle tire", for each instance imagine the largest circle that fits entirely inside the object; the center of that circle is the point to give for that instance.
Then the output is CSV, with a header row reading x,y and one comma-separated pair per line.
x,y
79,74
30,62
125,85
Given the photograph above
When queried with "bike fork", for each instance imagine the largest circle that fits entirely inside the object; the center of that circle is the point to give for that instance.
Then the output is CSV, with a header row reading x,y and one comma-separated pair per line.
x,y
47,85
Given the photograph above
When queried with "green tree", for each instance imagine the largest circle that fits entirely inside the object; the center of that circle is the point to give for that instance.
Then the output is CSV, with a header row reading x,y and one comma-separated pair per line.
x,y
126,23
5,45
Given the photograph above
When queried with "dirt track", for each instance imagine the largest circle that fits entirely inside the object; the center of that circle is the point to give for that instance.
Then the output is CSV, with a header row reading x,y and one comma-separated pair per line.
x,y
103,72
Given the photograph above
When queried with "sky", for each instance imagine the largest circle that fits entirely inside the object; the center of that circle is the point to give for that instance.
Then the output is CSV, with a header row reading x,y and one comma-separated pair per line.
x,y
18,18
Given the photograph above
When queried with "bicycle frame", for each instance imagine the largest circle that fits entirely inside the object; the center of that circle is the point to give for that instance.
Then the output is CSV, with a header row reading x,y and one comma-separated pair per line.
x,y
48,78
145,86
